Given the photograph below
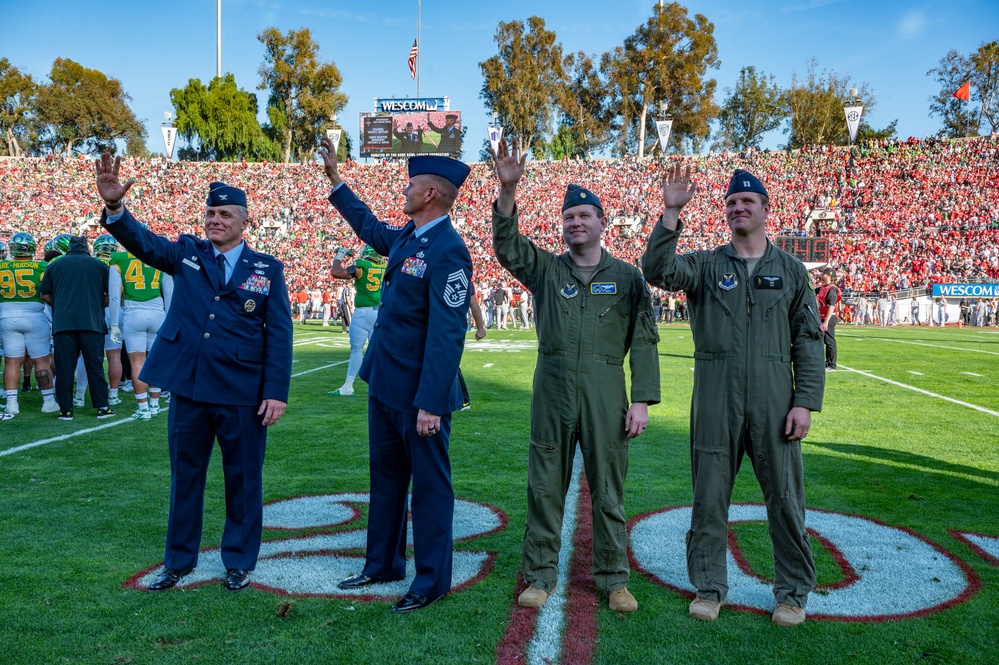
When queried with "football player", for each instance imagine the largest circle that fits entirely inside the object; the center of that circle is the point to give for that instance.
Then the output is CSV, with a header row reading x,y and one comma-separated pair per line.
x,y
24,323
367,273
142,294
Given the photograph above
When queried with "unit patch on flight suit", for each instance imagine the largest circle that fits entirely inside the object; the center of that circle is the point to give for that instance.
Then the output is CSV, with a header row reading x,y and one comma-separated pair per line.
x,y
603,288
765,282
728,281
569,290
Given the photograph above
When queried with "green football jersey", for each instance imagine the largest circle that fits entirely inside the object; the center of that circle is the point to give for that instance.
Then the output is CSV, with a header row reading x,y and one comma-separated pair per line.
x,y
140,283
20,280
368,283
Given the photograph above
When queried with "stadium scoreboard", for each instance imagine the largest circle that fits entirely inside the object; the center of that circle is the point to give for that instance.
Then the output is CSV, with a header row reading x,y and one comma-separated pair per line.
x,y
805,249
411,126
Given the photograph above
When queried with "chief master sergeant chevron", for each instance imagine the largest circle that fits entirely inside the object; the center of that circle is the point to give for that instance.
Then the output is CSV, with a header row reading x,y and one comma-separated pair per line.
x,y
224,351
758,375
411,369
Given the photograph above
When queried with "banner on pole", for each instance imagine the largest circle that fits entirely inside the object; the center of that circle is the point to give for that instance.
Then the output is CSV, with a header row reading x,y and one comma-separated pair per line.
x,y
334,136
495,135
853,114
169,139
664,127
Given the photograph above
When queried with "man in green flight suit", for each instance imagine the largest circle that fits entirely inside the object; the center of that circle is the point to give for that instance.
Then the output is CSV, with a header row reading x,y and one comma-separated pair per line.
x,y
758,375
591,310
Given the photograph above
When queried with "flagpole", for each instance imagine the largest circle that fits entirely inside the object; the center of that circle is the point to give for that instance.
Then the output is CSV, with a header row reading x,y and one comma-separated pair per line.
x,y
419,50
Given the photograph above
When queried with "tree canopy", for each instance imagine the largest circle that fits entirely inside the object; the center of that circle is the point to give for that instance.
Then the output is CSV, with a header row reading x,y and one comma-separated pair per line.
x,y
816,102
523,83
83,110
754,107
304,92
981,70
17,92
220,122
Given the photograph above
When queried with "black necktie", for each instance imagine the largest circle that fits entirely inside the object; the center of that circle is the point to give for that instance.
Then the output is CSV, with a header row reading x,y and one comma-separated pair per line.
x,y
221,261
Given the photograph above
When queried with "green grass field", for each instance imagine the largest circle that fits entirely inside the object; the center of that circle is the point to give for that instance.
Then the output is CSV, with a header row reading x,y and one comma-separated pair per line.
x,y
84,513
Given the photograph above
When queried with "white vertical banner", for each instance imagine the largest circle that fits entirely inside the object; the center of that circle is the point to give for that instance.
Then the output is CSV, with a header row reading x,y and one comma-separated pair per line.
x,y
169,139
495,135
664,127
853,114
334,136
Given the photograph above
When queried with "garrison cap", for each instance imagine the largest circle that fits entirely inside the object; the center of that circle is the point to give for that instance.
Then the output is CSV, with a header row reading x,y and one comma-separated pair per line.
x,y
744,181
579,196
451,116
450,169
221,194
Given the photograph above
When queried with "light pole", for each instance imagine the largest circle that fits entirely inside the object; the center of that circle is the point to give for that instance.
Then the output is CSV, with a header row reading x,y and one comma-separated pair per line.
x,y
853,108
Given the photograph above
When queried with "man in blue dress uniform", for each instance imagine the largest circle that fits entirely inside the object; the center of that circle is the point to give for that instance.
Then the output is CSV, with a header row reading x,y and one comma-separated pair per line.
x,y
411,369
224,351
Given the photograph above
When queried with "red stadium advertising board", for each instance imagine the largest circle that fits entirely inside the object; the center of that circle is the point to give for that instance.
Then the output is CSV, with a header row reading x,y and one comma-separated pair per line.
x,y
424,133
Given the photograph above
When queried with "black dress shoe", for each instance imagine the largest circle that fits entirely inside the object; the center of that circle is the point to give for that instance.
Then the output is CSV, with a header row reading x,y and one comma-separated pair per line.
x,y
413,601
358,581
168,578
236,579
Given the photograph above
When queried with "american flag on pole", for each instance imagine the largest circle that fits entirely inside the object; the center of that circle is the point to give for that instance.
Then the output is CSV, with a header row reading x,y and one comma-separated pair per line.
x,y
413,52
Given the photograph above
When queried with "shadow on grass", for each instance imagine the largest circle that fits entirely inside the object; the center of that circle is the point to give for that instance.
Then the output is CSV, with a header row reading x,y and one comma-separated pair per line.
x,y
900,457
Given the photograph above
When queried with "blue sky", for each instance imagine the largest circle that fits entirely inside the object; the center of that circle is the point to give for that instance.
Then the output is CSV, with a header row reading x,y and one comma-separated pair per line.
x,y
153,47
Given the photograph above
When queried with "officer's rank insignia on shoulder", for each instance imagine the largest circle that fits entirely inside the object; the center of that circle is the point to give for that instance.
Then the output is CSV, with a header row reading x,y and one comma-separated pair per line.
x,y
603,288
569,290
456,289
728,281
767,282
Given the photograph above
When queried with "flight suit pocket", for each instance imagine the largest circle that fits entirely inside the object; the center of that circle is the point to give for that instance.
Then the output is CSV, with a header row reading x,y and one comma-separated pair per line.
x,y
648,327
544,468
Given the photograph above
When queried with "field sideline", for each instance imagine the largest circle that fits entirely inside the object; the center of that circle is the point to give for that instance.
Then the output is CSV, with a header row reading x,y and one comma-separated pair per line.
x,y
902,484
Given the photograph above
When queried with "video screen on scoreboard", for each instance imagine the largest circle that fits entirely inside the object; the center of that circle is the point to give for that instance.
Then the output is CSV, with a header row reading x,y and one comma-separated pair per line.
x,y
425,133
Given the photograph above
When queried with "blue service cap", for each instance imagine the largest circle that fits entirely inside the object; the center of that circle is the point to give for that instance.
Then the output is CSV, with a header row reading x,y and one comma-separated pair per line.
x,y
221,194
579,196
744,181
450,169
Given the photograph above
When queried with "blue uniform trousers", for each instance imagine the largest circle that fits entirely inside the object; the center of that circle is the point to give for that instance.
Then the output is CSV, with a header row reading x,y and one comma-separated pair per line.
x,y
397,454
193,428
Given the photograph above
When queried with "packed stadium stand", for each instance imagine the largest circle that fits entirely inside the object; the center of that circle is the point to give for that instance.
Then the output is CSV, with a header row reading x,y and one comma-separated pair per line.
x,y
899,215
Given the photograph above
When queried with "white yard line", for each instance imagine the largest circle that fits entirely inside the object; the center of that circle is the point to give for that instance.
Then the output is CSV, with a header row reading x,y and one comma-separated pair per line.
x,y
935,346
546,645
916,373
89,430
971,374
920,390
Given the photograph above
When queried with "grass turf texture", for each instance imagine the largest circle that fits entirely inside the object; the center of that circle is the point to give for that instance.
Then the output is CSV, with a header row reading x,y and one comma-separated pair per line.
x,y
80,516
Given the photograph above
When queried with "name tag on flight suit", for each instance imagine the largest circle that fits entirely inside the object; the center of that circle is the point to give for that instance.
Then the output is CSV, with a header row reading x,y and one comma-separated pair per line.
x,y
765,282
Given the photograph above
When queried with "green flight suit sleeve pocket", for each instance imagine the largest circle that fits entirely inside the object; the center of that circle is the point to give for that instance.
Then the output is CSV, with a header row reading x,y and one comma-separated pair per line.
x,y
647,324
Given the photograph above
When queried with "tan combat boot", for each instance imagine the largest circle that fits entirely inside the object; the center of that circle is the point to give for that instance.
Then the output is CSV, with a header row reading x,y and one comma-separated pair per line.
x,y
788,615
704,609
622,601
532,597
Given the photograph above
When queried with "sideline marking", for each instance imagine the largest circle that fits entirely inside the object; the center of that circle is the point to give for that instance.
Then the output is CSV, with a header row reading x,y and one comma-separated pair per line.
x,y
64,437
916,373
971,374
935,346
924,392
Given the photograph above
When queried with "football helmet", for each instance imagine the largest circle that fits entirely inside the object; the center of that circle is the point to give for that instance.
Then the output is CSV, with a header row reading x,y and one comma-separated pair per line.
x,y
105,245
22,244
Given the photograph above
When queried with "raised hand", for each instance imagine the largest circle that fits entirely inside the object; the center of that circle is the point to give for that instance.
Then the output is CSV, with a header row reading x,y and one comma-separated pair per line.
x,y
678,188
328,152
509,162
109,187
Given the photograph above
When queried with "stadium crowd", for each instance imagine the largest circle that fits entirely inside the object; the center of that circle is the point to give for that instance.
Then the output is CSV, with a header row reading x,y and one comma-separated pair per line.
x,y
902,214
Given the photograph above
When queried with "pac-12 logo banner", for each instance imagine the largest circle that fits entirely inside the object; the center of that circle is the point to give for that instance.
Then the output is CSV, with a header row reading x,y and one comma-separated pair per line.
x,y
887,573
312,563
